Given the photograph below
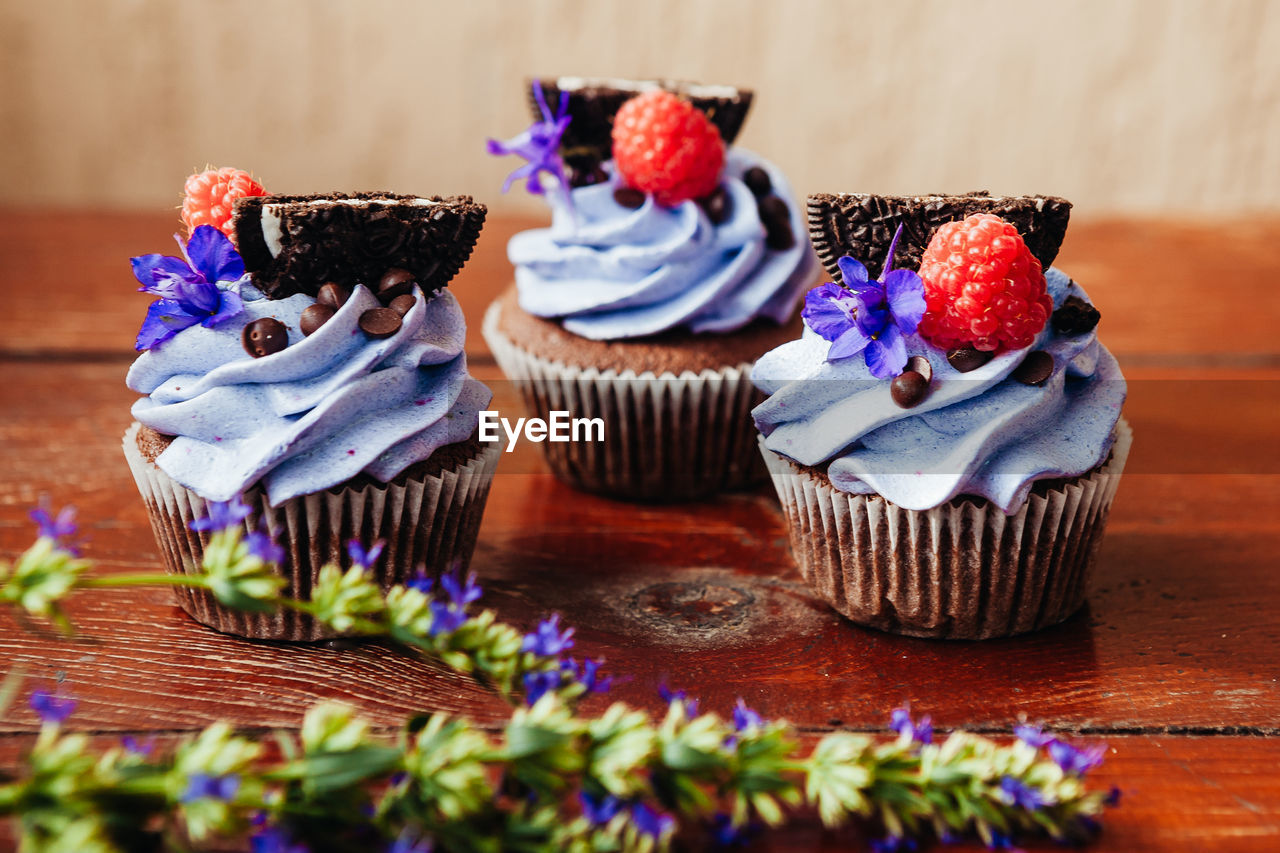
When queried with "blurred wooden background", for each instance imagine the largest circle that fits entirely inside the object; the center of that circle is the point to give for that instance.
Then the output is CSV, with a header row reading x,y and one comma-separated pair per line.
x,y
1123,106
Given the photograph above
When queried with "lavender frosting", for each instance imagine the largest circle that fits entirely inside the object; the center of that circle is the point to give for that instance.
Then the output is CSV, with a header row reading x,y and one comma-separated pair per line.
x,y
321,411
610,272
979,433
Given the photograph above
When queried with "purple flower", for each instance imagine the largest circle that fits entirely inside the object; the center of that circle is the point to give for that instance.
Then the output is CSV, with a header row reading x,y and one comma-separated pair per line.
x,y
187,286
50,708
409,841
538,684
868,316
745,718
461,592
360,557
445,619
1071,759
651,822
203,785
725,835
222,515
1076,760
139,748
1020,794
262,546
547,640
893,844
672,696
540,145
421,582
274,839
599,810
588,674
901,722
1032,736
62,528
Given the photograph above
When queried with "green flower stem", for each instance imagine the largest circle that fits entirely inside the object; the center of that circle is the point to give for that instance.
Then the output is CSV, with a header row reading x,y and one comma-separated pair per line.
x,y
122,580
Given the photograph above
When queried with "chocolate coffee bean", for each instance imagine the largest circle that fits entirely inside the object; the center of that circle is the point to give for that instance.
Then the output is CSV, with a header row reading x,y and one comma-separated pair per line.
x,y
921,365
264,336
1075,317
313,317
628,197
965,359
757,180
402,303
908,389
776,219
380,322
716,205
394,282
333,295
1035,368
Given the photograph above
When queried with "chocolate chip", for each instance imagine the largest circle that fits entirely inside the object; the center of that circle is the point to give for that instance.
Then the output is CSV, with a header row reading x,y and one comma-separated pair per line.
x,y
264,336
333,295
908,388
1035,368
380,322
394,282
776,219
628,197
757,180
313,317
1075,317
716,204
965,359
402,303
921,365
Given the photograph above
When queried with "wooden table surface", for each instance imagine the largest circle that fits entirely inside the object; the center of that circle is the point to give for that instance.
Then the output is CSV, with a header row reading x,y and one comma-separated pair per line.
x,y
1173,663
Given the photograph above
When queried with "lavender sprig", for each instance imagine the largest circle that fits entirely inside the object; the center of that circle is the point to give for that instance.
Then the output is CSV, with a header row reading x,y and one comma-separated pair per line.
x,y
616,781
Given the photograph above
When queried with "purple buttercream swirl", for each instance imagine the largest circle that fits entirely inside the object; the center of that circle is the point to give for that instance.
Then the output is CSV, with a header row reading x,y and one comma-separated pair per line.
x,y
316,414
980,433
610,272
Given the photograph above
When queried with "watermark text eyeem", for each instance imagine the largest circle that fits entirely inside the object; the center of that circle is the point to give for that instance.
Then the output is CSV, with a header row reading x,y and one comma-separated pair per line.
x,y
560,427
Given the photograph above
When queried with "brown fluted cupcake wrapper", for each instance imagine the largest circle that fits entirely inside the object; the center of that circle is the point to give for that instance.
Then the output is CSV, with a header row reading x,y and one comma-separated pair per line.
x,y
666,437
963,570
428,523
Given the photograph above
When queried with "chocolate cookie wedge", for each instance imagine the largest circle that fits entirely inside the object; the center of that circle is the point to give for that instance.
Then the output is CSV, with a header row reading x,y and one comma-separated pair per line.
x,y
296,244
862,225
593,102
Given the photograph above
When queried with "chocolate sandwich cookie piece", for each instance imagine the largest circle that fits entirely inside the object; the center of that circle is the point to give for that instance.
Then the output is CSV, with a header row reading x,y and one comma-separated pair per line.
x,y
593,103
862,225
294,244
1075,317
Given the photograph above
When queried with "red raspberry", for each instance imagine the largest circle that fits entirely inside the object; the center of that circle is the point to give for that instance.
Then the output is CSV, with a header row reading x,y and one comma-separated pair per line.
x,y
666,146
210,194
982,287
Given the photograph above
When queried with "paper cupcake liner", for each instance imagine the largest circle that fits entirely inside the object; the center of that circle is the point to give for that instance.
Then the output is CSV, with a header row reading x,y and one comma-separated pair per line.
x,y
666,437
963,570
428,524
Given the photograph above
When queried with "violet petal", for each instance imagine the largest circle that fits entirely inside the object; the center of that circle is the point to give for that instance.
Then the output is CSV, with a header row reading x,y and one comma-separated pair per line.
x,y
230,305
852,271
165,318
213,256
824,313
904,291
850,343
887,354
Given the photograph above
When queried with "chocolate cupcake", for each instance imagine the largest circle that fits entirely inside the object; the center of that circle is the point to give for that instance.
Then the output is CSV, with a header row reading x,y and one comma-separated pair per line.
x,y
945,437
660,281
319,378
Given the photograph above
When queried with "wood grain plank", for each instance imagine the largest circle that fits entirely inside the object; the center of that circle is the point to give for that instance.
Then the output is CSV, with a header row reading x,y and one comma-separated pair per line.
x,y
1181,632
1179,794
65,284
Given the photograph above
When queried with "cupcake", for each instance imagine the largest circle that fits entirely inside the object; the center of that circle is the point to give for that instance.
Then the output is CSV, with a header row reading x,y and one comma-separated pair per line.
x,y
945,436
673,261
317,375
